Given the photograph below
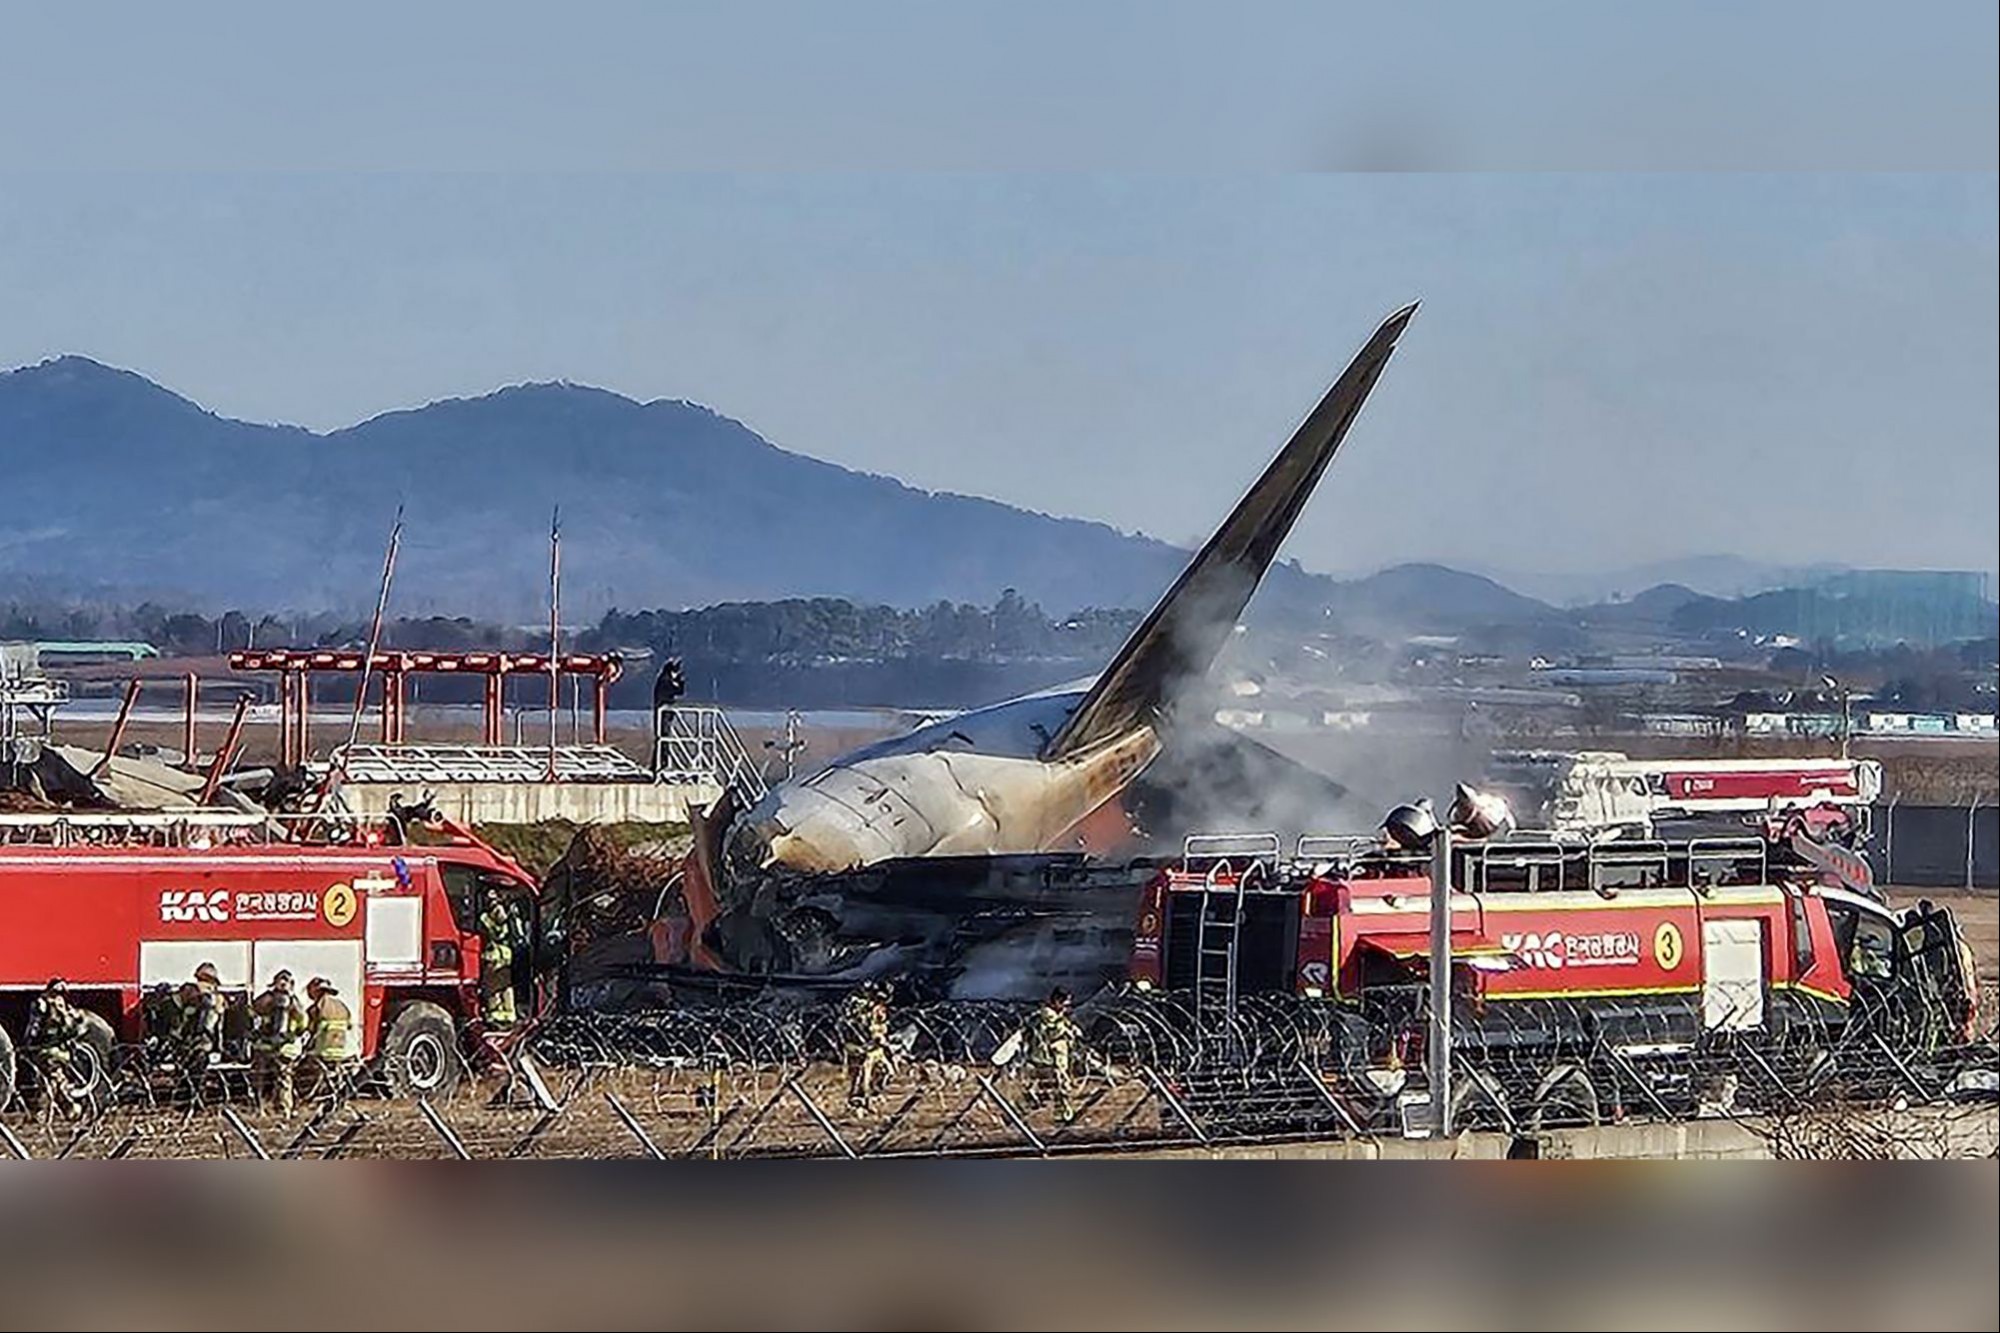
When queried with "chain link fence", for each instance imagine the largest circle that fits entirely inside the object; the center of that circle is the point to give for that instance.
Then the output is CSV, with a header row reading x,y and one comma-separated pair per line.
x,y
1936,846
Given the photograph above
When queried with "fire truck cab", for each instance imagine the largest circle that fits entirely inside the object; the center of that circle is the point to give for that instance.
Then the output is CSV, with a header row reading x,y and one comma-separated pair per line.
x,y
124,908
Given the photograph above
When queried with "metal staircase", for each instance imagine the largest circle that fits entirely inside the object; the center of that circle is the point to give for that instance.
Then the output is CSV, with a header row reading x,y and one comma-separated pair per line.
x,y
694,743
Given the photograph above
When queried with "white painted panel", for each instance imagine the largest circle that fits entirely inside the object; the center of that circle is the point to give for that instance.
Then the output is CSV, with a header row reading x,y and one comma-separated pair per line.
x,y
174,961
339,961
1732,975
395,931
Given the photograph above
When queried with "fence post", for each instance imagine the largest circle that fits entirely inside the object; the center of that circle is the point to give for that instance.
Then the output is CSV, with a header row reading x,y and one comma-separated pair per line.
x,y
444,1131
819,1117
1333,1102
14,1144
1161,1090
891,1125
1971,837
632,1124
247,1134
308,1131
1889,844
1013,1116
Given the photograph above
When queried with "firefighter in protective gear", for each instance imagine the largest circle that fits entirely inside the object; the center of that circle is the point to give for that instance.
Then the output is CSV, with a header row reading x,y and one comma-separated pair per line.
x,y
501,935
867,1030
1052,1037
277,1040
54,1029
197,1023
328,1022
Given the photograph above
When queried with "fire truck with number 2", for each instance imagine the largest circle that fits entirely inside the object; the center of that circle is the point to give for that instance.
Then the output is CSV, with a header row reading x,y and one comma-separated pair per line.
x,y
120,905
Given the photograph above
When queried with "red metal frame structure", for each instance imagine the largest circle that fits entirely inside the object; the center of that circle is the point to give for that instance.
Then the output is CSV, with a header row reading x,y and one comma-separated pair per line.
x,y
296,667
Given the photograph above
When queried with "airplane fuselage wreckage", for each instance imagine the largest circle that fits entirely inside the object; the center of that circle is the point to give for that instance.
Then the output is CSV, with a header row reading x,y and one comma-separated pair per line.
x,y
915,854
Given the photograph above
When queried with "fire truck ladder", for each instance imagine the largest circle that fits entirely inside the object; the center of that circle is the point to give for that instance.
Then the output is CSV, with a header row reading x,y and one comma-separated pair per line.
x,y
1216,929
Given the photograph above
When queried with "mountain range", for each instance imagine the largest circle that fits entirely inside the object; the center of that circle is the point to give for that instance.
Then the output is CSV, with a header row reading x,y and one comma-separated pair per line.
x,y
119,488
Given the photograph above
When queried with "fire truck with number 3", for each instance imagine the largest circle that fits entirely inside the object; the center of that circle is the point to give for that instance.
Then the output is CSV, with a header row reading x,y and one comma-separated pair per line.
x,y
120,905
1586,965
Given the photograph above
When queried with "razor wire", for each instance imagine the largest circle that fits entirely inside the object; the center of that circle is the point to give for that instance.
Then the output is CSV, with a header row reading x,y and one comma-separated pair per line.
x,y
1151,1070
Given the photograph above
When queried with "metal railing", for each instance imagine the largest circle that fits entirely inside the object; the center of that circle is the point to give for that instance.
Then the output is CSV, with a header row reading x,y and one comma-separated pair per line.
x,y
487,763
1247,847
696,744
1536,862
187,829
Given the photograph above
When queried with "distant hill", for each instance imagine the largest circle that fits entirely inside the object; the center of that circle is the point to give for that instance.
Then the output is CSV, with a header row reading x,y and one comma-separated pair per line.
x,y
1653,608
1721,576
1863,617
1422,598
118,485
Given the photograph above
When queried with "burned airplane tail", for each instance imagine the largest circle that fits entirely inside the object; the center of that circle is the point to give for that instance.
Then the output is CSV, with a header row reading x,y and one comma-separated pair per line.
x,y
1186,631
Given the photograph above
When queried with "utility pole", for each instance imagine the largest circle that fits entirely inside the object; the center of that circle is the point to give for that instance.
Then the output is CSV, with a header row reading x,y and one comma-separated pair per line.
x,y
793,744
555,630
338,769
1438,1047
1846,711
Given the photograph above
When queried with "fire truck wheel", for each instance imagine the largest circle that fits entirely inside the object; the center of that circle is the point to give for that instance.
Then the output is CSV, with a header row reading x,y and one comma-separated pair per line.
x,y
6,1069
1566,1098
420,1052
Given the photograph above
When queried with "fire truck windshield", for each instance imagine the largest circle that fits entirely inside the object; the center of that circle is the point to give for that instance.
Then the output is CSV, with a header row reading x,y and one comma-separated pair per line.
x,y
463,885
1867,942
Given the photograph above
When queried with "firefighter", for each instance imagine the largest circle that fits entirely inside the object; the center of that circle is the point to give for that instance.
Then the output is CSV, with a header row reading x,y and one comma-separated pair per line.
x,y
1052,1036
54,1028
277,1040
867,1024
197,1029
500,935
328,1021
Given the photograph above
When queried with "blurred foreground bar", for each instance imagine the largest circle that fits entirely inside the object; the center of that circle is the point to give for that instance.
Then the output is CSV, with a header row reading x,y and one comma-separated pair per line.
x,y
1002,1245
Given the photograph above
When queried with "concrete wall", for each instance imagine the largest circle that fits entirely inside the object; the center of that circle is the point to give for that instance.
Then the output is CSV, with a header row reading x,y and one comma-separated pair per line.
x,y
1923,1132
534,802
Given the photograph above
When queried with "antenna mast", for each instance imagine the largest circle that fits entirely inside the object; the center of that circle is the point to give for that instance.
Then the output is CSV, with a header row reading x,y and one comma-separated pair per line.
x,y
338,769
555,631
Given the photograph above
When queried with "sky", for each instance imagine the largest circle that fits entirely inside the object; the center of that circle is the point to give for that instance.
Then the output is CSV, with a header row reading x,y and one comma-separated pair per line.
x,y
1094,260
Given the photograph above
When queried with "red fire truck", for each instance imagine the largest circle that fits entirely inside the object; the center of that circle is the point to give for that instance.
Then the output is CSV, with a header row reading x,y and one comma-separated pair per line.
x,y
1586,972
119,905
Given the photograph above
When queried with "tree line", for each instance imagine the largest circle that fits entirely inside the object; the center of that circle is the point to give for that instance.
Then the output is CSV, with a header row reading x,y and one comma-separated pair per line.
x,y
793,632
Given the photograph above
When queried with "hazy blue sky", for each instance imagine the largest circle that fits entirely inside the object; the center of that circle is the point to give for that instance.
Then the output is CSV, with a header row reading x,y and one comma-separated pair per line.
x,y
1608,368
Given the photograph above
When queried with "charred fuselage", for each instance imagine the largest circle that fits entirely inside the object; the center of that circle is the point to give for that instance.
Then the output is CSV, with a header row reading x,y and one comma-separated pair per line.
x,y
831,874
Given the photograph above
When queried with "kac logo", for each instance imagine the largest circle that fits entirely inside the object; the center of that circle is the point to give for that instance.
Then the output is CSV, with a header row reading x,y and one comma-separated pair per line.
x,y
1548,950
194,905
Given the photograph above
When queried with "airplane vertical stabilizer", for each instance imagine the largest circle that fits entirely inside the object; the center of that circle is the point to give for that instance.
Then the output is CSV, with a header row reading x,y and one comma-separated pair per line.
x,y
1186,631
